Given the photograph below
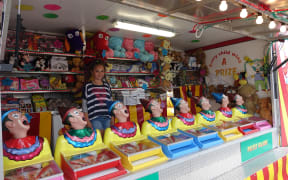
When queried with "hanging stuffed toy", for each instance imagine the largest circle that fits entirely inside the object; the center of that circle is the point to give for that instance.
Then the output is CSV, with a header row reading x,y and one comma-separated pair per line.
x,y
101,41
74,41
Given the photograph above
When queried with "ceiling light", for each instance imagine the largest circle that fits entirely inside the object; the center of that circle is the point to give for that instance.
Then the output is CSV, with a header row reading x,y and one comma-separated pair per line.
x,y
272,24
283,28
198,0
259,19
223,5
244,12
143,28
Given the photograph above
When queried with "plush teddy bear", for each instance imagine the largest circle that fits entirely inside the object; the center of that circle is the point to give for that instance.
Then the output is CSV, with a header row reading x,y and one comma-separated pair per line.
x,y
41,64
76,64
115,43
265,109
77,90
149,47
128,44
143,55
248,92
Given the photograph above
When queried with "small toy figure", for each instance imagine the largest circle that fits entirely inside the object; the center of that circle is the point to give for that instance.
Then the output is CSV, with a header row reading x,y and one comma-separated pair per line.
x,y
239,111
184,119
78,138
206,116
22,150
123,130
157,125
224,113
25,63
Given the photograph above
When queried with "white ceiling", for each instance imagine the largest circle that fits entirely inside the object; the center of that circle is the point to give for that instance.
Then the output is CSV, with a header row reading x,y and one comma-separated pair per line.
x,y
75,13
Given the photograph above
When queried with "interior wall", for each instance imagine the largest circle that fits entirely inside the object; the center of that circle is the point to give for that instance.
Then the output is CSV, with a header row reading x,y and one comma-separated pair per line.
x,y
223,61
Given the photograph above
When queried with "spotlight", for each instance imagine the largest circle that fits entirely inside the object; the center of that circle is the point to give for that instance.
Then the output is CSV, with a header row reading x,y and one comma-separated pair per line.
x,y
244,12
272,24
223,5
283,28
259,19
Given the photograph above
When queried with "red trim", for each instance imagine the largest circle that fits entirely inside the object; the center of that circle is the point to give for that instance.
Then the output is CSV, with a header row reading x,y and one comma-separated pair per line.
x,y
275,165
284,172
222,44
266,173
253,176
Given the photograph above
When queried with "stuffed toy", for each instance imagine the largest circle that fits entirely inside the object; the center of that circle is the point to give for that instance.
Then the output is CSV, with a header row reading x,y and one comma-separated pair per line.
x,y
265,109
149,47
240,79
143,55
128,44
248,92
41,64
69,79
164,47
74,41
77,90
101,45
25,63
76,64
115,43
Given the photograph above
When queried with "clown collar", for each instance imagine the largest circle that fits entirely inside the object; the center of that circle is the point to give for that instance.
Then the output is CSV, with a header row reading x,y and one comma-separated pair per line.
x,y
125,125
207,112
80,133
160,119
241,106
186,118
226,111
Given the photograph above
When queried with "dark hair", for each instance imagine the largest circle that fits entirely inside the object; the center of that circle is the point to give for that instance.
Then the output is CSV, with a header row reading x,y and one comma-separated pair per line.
x,y
4,128
91,66
66,120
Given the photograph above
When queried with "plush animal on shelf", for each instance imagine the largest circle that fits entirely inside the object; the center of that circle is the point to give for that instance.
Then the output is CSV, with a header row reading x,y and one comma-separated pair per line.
x,y
77,90
78,138
157,125
206,116
74,41
239,111
76,64
41,64
164,47
248,92
25,63
240,79
224,113
149,47
265,109
123,130
184,119
115,43
128,44
143,55
22,150
101,45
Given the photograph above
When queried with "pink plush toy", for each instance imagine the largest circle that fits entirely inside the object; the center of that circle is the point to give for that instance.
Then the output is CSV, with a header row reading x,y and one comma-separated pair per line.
x,y
149,47
128,44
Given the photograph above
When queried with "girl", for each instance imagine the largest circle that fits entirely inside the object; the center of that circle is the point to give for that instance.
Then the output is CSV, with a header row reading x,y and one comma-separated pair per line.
x,y
95,95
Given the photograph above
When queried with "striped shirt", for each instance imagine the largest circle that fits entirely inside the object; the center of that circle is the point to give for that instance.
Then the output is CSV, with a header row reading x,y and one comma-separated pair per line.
x,y
96,97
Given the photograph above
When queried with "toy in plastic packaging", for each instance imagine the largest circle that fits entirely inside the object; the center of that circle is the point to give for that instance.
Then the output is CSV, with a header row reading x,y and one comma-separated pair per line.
x,y
58,63
39,103
29,84
9,83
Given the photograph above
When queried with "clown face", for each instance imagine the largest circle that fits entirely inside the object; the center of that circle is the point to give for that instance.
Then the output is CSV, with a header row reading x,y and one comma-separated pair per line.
x,y
225,101
156,108
184,108
239,100
18,124
205,105
120,111
76,119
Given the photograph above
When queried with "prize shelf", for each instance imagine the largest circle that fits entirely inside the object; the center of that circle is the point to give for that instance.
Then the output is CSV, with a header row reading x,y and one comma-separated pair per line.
x,y
129,73
34,91
45,53
41,72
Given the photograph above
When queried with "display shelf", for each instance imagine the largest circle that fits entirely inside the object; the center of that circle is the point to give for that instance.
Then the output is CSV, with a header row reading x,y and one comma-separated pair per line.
x,y
45,53
41,72
177,162
129,73
114,58
131,89
34,91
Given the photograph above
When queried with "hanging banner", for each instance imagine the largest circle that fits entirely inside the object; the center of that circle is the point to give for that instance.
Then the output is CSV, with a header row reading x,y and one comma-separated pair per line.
x,y
224,62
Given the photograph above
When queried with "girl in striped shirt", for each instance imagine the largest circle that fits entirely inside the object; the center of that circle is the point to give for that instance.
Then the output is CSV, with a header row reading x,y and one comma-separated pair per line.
x,y
95,95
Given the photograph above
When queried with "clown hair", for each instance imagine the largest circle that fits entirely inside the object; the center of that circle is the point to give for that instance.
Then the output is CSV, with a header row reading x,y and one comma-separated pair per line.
x,y
4,128
66,120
